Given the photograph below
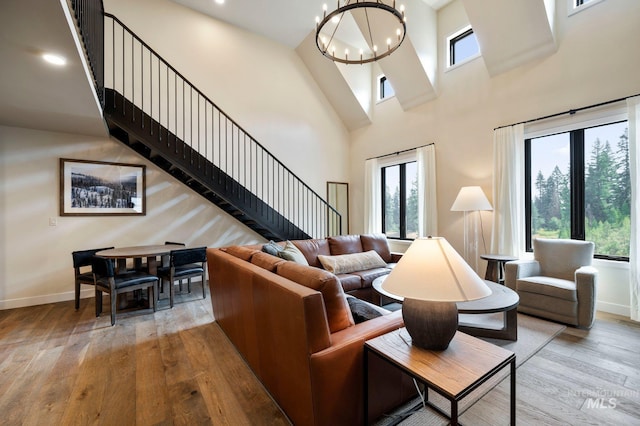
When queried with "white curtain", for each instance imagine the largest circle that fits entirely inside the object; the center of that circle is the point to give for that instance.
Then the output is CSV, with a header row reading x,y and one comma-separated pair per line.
x,y
427,201
633,105
507,236
372,197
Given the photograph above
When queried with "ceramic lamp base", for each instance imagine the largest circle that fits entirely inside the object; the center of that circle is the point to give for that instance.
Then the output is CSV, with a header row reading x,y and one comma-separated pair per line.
x,y
431,325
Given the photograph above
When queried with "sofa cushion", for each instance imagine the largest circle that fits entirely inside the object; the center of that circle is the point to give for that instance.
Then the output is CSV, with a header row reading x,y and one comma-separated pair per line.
x,y
346,263
367,276
553,287
350,282
379,243
266,261
345,244
272,248
291,252
338,313
363,311
241,252
312,248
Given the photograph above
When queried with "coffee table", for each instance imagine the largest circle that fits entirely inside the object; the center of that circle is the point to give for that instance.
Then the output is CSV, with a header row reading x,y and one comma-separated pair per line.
x,y
453,373
502,300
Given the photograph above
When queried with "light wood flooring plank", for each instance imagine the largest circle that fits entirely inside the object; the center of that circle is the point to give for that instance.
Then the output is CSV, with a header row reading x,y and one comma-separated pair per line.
x,y
61,366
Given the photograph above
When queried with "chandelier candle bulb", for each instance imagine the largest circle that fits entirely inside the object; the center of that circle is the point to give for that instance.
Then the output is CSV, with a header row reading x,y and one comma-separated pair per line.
x,y
388,44
346,53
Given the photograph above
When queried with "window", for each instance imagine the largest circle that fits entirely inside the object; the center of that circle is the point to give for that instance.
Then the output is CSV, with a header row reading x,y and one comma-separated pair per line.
x,y
576,6
384,88
400,200
578,186
463,46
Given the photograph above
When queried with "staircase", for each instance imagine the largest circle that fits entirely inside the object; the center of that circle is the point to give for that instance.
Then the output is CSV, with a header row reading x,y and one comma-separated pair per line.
x,y
152,108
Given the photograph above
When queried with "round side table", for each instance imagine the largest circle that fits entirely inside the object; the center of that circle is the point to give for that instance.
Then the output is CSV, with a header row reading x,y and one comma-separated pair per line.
x,y
495,266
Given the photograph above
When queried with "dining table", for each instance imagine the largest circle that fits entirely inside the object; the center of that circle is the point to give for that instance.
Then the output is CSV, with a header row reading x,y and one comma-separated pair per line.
x,y
137,253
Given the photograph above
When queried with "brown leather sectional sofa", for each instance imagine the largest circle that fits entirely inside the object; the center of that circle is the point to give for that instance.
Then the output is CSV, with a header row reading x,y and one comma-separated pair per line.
x,y
293,326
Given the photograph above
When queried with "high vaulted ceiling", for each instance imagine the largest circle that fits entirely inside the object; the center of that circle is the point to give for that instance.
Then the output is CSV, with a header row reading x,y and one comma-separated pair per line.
x,y
36,95
523,33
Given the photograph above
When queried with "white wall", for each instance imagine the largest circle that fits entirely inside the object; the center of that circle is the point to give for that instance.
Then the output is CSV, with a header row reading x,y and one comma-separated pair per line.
x,y
261,84
597,60
264,86
35,258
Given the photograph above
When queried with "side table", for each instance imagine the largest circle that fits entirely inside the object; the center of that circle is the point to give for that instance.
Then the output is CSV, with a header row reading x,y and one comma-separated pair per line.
x,y
466,364
495,266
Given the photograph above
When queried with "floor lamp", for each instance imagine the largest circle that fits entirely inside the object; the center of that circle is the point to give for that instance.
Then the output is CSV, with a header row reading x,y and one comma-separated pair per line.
x,y
471,200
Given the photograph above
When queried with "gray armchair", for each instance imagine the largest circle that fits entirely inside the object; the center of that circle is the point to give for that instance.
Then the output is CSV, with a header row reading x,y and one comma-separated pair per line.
x,y
559,284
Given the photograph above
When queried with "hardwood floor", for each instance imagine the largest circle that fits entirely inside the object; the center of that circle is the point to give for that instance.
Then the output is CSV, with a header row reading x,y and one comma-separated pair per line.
x,y
62,367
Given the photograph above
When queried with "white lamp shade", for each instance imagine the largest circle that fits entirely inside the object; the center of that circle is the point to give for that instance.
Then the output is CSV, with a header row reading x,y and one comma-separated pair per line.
x,y
471,198
432,270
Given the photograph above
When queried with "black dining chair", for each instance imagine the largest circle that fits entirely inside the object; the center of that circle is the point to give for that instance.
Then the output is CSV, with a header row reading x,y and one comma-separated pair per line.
x,y
184,264
107,280
82,269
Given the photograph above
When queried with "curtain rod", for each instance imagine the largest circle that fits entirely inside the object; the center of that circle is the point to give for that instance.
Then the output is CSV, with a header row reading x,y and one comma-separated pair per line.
x,y
400,152
570,112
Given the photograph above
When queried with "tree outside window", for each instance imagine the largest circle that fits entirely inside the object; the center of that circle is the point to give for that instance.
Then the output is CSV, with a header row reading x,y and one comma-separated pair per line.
x,y
400,200
579,187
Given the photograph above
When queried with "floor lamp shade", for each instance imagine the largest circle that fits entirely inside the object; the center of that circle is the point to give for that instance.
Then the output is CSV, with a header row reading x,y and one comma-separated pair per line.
x,y
432,276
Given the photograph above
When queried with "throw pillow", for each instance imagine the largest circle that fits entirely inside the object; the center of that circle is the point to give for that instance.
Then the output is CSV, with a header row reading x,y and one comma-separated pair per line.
x,y
272,248
363,311
291,252
345,263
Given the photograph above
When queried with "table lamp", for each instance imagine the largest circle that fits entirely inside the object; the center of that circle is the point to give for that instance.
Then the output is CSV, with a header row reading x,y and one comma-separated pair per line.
x,y
471,199
432,276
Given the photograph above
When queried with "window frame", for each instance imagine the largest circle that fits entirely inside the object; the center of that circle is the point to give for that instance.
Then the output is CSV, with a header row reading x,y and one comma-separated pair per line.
x,y
577,184
575,6
381,92
450,48
402,161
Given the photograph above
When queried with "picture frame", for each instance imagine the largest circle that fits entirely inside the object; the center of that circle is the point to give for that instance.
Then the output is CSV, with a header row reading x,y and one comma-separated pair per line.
x,y
97,188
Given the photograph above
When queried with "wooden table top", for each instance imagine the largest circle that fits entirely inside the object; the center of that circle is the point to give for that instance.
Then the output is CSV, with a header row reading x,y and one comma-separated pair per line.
x,y
453,371
498,257
139,251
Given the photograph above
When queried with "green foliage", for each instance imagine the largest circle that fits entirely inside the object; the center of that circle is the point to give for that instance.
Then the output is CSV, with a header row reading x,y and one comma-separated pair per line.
x,y
607,200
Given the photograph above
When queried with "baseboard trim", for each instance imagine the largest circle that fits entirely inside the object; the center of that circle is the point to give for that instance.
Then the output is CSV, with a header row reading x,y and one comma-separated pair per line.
x,y
614,308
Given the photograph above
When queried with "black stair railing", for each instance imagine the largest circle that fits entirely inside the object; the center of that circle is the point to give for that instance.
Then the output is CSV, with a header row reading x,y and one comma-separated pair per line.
x,y
134,70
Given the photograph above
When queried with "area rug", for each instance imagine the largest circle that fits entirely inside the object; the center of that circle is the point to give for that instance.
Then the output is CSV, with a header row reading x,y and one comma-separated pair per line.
x,y
533,334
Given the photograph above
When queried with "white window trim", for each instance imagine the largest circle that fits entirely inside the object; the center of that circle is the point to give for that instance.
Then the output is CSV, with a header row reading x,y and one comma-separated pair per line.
x,y
572,9
392,160
580,120
447,49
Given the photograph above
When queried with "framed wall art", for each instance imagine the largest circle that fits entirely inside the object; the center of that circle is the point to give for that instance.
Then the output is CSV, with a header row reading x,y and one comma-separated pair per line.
x,y
101,189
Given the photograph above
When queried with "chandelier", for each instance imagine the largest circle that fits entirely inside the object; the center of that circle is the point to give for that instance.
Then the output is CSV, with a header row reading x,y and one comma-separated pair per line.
x,y
374,28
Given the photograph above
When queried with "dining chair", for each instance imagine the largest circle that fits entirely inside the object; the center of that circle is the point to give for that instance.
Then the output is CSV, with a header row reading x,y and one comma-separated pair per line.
x,y
82,262
107,280
184,264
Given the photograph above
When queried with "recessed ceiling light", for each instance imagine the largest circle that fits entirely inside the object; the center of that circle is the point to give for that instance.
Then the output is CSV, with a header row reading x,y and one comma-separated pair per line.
x,y
54,59
219,1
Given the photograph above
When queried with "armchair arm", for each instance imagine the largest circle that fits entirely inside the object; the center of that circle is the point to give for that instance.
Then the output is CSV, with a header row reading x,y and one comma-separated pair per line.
x,y
586,278
517,269
395,257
